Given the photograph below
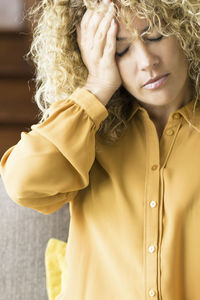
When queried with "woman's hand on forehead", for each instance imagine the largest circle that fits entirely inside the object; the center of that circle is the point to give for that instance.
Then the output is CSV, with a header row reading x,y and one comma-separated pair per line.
x,y
96,37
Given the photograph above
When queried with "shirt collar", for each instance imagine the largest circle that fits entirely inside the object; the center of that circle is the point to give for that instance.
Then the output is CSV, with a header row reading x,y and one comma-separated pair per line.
x,y
192,117
191,114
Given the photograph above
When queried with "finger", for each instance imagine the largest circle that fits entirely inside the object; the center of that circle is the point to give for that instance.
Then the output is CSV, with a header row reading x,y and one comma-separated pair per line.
x,y
101,33
93,26
89,13
110,46
97,16
85,19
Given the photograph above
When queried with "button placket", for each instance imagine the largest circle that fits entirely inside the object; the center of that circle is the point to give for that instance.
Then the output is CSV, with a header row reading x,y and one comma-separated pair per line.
x,y
151,249
151,215
152,293
154,167
153,204
169,132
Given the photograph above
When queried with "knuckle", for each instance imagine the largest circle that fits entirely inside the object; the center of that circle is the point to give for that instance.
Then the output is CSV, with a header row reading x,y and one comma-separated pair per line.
x,y
109,45
101,32
100,36
90,46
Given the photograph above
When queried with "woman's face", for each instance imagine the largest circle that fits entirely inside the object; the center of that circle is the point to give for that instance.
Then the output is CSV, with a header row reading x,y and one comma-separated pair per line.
x,y
148,59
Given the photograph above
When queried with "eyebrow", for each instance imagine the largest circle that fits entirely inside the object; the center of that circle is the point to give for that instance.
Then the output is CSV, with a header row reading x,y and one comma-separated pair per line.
x,y
123,38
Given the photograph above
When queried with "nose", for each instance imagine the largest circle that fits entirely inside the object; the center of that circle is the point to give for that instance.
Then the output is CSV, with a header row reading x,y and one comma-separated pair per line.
x,y
146,58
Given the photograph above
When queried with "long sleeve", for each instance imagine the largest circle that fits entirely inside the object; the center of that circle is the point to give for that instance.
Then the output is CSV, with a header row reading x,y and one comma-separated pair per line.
x,y
51,163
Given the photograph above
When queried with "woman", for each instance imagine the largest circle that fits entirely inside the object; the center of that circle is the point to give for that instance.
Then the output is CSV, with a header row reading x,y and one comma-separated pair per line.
x,y
119,140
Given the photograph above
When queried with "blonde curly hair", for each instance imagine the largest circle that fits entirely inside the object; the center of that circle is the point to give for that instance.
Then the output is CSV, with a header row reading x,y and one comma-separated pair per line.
x,y
59,66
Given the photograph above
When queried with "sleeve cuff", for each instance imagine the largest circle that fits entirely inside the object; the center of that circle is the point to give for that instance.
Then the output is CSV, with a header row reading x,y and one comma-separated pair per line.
x,y
91,104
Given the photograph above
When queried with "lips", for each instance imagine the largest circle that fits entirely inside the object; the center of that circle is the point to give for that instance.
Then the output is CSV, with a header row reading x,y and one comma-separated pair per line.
x,y
155,79
156,84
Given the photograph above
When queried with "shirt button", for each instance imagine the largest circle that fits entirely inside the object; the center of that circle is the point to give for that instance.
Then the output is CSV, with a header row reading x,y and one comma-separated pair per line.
x,y
152,293
176,116
169,131
151,249
153,204
154,167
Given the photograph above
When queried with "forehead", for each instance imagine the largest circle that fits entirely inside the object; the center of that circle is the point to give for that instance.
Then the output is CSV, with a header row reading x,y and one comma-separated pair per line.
x,y
137,26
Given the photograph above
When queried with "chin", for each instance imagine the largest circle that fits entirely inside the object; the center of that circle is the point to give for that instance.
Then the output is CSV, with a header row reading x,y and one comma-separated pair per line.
x,y
156,101
159,98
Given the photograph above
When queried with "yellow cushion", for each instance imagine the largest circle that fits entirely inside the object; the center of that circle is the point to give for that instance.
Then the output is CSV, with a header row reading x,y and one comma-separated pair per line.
x,y
55,266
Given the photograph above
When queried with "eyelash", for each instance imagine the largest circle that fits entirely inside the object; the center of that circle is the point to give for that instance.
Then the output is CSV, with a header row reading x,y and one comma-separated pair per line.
x,y
152,40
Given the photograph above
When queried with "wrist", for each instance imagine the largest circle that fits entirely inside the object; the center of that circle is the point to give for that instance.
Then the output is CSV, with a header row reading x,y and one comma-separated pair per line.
x,y
101,93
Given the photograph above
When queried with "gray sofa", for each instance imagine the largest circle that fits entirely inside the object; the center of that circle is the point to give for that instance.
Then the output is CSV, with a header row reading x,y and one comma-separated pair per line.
x,y
24,234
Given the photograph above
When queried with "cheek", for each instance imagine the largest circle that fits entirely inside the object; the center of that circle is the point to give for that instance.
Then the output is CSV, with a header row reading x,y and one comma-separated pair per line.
x,y
175,56
128,75
178,63
125,67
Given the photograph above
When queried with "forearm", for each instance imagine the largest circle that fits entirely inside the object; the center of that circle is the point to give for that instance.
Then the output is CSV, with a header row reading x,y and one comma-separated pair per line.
x,y
52,161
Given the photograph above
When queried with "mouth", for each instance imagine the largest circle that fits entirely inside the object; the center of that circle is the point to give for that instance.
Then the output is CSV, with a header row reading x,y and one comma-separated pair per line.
x,y
156,83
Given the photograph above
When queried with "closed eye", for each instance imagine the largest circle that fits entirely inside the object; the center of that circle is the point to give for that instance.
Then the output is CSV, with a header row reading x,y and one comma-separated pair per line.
x,y
151,40
122,53
158,39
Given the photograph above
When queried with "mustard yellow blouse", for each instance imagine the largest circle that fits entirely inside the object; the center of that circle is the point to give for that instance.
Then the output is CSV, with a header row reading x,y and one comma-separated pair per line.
x,y
135,206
